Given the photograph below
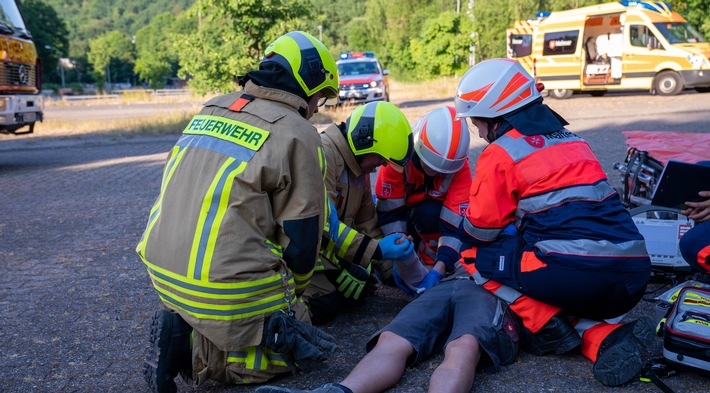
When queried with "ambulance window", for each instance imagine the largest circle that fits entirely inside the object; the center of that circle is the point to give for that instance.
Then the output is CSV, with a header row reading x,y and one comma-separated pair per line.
x,y
521,45
639,35
560,43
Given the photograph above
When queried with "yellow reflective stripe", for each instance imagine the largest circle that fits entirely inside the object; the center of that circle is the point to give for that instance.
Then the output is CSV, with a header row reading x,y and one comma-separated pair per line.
x,y
322,162
176,156
234,131
302,280
236,293
210,218
274,248
225,312
247,356
345,243
213,289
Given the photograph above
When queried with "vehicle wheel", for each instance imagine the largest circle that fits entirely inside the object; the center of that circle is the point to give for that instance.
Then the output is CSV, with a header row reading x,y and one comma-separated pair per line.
x,y
668,83
597,93
560,94
702,89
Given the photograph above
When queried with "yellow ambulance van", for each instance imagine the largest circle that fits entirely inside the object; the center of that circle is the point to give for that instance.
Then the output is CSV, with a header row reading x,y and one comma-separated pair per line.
x,y
625,45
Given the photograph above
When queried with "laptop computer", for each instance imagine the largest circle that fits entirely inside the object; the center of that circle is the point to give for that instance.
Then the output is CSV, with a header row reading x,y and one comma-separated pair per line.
x,y
681,182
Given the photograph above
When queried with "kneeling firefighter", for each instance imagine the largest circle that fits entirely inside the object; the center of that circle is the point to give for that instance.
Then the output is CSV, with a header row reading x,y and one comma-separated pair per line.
x,y
375,134
233,237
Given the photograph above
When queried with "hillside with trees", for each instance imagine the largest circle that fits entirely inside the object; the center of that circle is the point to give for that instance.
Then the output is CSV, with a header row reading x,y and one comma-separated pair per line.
x,y
214,41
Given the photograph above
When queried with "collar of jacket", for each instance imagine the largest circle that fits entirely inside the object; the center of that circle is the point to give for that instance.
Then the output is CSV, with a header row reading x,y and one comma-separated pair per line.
x,y
272,94
341,143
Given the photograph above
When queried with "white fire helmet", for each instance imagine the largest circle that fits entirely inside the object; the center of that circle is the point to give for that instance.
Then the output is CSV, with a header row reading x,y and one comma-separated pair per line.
x,y
441,140
493,88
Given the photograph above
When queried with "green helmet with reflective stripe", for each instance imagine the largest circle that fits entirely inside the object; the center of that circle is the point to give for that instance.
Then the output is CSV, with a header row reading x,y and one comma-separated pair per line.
x,y
308,60
379,127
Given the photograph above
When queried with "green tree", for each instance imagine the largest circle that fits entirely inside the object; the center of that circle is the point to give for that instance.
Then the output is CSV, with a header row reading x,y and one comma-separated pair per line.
x,y
49,34
443,46
333,16
156,59
228,39
697,12
110,50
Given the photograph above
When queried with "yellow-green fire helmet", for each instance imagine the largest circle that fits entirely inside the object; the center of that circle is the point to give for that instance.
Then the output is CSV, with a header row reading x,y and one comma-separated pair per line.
x,y
308,60
380,128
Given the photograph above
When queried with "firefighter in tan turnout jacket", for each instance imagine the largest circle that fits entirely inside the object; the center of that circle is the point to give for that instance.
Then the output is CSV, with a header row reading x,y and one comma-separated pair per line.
x,y
373,135
234,235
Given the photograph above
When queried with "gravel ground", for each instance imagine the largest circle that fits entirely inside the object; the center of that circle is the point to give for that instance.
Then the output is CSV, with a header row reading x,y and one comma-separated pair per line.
x,y
76,303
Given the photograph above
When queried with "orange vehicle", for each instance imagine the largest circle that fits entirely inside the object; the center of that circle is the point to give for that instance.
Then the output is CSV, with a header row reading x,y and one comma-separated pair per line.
x,y
20,73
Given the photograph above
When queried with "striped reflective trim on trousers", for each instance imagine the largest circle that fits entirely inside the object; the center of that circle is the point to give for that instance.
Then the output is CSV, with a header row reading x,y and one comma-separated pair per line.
x,y
256,358
586,247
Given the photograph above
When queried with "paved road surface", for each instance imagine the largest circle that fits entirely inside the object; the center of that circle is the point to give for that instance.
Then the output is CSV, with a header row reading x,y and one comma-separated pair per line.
x,y
75,301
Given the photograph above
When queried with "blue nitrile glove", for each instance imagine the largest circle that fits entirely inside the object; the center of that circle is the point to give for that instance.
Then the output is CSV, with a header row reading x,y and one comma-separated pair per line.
x,y
431,279
333,222
391,250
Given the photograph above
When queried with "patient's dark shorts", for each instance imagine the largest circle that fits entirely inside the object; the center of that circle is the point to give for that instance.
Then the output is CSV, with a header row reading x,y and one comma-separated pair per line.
x,y
454,307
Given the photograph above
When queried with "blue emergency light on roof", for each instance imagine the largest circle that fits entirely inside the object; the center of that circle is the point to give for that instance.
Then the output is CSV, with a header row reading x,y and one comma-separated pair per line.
x,y
542,15
655,6
355,55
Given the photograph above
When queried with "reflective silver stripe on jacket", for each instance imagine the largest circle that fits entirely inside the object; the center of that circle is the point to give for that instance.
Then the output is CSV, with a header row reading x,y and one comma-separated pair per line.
x,y
394,227
385,205
519,148
216,145
587,193
586,247
450,216
483,234
451,242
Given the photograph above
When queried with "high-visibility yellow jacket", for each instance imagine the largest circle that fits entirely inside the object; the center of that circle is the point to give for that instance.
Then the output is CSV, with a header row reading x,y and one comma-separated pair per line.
x,y
244,167
349,189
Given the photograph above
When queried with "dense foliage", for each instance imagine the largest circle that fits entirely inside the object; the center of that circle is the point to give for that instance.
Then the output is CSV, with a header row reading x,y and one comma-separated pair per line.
x,y
212,42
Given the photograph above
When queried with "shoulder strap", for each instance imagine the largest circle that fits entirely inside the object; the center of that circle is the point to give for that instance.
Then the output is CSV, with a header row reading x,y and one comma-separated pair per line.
x,y
240,103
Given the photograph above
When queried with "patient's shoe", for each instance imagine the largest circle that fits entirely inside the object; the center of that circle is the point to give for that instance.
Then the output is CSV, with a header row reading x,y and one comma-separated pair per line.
x,y
327,388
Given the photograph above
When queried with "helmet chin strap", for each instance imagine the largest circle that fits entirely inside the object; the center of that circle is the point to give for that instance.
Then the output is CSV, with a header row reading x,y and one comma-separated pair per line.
x,y
491,126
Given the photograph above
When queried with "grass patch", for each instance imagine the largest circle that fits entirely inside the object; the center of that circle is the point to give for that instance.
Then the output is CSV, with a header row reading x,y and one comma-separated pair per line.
x,y
172,123
443,87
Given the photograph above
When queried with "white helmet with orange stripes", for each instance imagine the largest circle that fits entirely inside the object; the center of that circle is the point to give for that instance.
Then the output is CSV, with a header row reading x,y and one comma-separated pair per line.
x,y
441,140
493,88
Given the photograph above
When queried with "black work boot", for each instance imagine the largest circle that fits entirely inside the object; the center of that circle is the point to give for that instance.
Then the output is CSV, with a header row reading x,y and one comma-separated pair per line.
x,y
556,337
643,331
619,357
170,352
327,388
